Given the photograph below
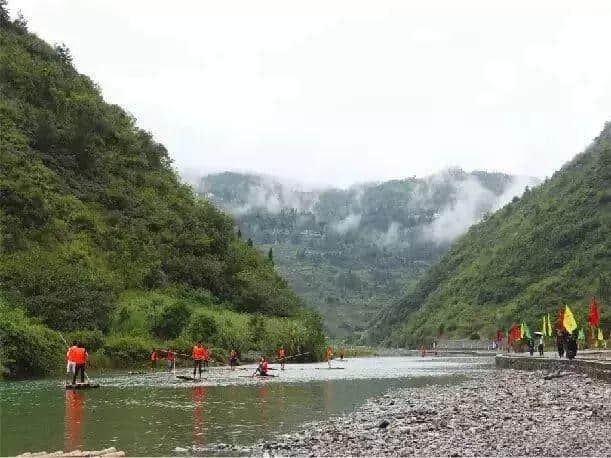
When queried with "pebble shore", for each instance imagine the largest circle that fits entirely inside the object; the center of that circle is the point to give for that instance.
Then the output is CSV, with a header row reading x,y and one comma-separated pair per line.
x,y
494,413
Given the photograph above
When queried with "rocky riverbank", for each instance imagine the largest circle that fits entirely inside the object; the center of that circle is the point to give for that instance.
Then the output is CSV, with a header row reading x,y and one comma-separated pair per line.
x,y
503,412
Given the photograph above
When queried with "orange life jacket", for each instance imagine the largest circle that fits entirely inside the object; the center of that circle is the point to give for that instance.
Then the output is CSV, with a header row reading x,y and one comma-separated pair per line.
x,y
282,353
80,355
154,356
198,352
70,353
171,356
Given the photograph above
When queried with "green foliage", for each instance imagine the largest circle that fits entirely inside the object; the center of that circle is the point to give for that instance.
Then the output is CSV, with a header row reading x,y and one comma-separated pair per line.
x,y
202,326
27,348
125,351
93,340
550,248
173,319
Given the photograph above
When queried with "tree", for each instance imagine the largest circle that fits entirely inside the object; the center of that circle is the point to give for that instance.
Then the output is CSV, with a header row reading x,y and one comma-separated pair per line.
x,y
239,234
249,242
270,256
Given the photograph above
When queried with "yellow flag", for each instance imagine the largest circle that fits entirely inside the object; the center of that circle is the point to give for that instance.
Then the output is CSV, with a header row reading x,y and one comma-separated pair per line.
x,y
544,327
549,326
600,334
569,322
522,331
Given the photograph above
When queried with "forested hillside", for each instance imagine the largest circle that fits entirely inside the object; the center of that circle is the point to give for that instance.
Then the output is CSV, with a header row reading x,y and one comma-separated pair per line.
x,y
550,247
351,252
97,232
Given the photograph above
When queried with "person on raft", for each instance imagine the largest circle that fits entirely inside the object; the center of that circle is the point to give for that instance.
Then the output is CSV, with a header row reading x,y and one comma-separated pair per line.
x,y
80,356
263,368
171,355
71,366
341,354
233,361
281,356
198,355
329,356
154,359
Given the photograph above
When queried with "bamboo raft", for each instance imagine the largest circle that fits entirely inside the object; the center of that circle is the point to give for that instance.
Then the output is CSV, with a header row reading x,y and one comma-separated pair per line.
x,y
82,386
107,452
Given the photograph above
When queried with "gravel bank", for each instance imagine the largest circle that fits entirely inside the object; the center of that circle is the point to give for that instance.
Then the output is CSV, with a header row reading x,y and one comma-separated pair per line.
x,y
502,412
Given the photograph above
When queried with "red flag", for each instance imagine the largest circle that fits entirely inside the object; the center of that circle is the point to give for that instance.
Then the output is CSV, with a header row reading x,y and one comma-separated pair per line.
x,y
560,322
500,335
515,332
594,316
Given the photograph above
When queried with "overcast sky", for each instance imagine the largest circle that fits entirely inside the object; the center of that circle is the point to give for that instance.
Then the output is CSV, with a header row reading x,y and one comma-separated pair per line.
x,y
344,91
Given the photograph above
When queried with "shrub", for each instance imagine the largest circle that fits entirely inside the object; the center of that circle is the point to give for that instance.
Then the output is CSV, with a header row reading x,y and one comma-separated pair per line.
x,y
202,326
127,350
28,348
173,319
93,340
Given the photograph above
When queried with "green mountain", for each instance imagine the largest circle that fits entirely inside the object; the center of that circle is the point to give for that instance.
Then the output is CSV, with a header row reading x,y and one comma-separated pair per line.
x,y
98,233
550,247
352,252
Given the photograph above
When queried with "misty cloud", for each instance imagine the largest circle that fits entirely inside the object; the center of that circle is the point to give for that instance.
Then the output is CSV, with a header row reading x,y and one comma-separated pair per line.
x,y
349,223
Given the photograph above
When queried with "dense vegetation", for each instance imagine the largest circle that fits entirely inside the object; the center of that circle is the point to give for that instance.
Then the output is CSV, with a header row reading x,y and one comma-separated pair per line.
x,y
550,247
90,208
351,252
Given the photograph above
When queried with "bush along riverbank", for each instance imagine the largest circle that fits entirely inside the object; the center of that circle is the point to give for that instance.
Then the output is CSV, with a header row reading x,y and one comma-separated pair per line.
x,y
173,318
505,412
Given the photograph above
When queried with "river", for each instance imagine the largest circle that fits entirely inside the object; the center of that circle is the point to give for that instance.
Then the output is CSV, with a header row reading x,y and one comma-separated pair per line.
x,y
157,414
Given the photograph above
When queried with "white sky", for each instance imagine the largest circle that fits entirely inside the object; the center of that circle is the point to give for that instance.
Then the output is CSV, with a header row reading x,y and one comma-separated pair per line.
x,y
338,91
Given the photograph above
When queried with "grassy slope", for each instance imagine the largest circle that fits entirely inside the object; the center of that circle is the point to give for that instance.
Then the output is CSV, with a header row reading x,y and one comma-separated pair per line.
x,y
551,247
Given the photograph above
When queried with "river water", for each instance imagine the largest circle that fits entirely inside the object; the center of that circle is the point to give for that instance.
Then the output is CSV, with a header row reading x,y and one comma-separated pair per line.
x,y
157,414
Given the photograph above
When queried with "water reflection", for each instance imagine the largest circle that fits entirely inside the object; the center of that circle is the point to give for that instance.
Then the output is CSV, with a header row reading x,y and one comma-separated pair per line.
x,y
199,395
75,404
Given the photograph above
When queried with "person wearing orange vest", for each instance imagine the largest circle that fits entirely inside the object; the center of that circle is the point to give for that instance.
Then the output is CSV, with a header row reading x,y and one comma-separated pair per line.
x,y
171,359
80,356
263,367
329,356
281,356
154,359
206,358
341,354
198,356
71,366
233,361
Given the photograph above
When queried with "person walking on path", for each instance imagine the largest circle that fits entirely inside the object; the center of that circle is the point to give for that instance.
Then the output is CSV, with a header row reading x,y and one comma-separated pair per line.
x,y
198,356
80,356
540,346
531,346
281,356
560,343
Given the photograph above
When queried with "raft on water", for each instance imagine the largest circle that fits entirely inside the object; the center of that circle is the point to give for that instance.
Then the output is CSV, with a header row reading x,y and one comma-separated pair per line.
x,y
82,386
188,377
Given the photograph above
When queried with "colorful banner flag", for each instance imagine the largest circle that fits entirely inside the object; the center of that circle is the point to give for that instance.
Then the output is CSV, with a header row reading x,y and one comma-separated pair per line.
x,y
527,331
560,322
544,326
568,320
600,334
581,335
549,326
594,315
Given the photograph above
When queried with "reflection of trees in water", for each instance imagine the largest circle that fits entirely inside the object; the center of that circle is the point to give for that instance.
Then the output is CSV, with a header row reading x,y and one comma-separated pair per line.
x,y
75,403
199,395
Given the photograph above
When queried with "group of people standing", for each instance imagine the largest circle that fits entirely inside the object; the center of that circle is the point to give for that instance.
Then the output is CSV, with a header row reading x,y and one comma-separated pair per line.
x,y
566,344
